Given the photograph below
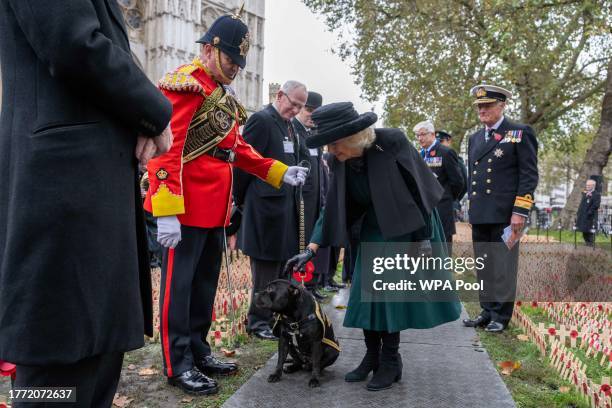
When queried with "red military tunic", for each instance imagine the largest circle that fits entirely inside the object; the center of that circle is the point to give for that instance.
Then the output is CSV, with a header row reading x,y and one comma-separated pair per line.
x,y
199,191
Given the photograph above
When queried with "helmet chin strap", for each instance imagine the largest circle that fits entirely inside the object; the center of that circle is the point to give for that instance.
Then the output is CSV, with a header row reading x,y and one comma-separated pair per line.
x,y
218,64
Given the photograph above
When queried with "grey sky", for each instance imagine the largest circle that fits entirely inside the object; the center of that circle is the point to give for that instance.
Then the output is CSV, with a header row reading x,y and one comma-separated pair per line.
x,y
298,46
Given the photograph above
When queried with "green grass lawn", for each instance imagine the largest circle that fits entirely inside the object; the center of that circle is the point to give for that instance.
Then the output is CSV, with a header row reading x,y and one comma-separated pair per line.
x,y
593,370
567,236
535,384
152,390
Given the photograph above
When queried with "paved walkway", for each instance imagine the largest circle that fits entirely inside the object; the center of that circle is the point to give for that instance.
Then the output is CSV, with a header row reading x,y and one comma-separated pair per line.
x,y
444,367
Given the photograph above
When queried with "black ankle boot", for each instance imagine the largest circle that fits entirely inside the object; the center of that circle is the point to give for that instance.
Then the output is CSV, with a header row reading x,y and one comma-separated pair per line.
x,y
390,369
370,361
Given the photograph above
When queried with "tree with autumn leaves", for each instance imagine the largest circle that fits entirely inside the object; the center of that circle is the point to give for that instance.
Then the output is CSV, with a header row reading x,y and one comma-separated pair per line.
x,y
423,56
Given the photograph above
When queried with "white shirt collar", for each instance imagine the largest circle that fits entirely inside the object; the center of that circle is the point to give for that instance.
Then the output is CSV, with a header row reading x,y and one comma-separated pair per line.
x,y
432,145
496,125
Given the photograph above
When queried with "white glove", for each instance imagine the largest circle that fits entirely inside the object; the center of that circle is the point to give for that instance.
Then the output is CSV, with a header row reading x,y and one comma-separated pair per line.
x,y
295,175
168,231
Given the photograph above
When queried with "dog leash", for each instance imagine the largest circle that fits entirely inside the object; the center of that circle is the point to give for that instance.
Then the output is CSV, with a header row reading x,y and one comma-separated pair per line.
x,y
301,221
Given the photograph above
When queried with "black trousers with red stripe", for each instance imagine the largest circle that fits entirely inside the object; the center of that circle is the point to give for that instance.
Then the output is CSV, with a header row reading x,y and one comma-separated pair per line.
x,y
189,277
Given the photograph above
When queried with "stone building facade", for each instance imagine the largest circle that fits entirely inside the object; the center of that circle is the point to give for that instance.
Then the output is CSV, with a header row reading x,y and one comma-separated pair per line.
x,y
163,35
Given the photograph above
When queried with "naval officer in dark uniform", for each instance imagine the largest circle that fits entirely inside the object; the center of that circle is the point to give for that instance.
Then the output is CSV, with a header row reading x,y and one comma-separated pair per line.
x,y
443,163
503,174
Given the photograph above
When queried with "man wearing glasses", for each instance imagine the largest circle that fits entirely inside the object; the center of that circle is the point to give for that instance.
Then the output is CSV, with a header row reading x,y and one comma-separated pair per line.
x,y
269,230
444,164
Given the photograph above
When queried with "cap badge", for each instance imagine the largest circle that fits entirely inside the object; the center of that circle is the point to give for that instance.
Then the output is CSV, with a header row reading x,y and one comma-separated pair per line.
x,y
481,93
245,45
162,174
216,40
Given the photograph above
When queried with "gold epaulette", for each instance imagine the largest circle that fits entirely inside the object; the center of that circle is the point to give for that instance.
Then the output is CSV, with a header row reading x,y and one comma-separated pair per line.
x,y
181,80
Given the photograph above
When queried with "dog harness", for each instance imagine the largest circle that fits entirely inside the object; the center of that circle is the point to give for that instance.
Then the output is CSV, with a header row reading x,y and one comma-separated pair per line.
x,y
293,329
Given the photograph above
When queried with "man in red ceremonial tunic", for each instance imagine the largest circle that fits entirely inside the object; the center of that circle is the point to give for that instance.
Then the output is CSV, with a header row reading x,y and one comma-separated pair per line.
x,y
190,192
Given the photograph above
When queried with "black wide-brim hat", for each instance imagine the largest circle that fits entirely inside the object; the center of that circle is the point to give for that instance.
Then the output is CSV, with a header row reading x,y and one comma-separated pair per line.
x,y
230,35
336,121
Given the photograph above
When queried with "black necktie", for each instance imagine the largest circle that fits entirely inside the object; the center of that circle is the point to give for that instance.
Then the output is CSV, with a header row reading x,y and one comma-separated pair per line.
x,y
488,134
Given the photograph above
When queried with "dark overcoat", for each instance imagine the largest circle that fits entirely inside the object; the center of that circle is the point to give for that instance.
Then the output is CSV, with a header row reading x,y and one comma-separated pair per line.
x,y
404,191
586,218
443,162
269,227
74,273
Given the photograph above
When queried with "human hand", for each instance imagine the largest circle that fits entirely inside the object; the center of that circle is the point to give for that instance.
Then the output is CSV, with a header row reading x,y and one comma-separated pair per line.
x,y
295,175
168,231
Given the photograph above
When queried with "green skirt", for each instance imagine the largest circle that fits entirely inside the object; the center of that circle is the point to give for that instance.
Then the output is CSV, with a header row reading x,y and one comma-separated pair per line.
x,y
395,316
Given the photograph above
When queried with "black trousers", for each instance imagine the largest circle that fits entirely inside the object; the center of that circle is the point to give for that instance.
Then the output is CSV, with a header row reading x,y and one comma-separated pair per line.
x,y
499,272
262,273
95,379
155,248
589,238
190,273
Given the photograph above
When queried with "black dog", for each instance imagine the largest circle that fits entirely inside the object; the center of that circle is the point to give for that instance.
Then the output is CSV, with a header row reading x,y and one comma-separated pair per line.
x,y
303,330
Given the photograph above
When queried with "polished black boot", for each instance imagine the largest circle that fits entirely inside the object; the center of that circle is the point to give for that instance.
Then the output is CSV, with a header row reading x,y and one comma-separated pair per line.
x,y
194,382
209,365
370,360
390,368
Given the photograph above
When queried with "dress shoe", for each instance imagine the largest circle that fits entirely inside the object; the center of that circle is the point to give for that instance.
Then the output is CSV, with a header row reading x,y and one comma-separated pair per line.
x,y
495,327
265,334
478,321
330,288
194,382
209,365
334,284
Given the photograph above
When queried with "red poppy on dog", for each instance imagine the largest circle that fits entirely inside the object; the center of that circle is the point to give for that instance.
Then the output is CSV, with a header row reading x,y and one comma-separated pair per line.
x,y
305,276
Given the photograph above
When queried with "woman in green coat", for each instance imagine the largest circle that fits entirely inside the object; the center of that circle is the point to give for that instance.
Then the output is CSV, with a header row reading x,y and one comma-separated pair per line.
x,y
380,177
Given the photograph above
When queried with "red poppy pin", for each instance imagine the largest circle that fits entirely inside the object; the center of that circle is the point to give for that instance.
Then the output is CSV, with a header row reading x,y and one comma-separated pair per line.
x,y
305,276
432,153
498,137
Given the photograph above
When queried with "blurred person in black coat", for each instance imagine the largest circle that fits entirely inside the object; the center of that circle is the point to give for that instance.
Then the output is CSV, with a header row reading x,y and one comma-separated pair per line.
x,y
75,284
586,218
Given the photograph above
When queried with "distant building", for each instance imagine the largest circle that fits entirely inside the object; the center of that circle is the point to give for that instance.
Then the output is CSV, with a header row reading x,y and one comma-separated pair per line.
x,y
163,34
